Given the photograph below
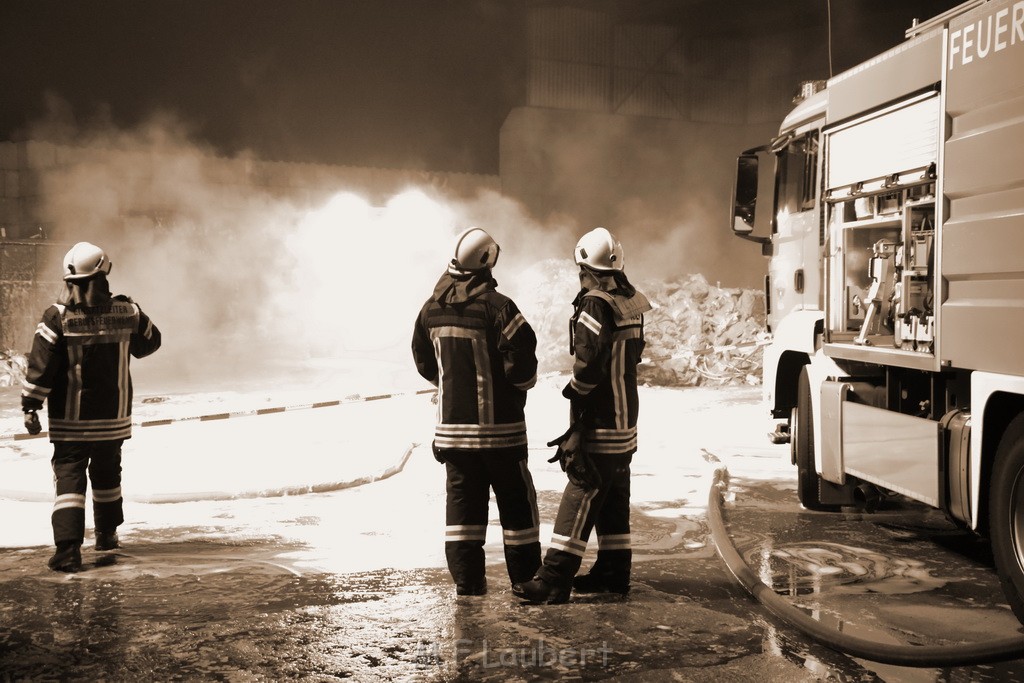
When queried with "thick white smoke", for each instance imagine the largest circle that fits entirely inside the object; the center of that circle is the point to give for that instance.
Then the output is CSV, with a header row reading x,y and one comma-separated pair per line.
x,y
250,285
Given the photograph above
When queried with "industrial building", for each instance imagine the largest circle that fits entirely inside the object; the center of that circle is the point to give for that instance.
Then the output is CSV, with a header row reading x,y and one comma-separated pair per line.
x,y
630,115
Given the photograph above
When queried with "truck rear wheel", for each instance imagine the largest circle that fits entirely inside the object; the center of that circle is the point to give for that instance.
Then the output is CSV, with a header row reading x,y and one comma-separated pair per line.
x,y
808,481
1006,514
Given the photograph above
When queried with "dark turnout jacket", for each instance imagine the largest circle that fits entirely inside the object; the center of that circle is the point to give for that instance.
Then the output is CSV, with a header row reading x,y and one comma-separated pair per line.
x,y
608,341
476,347
79,366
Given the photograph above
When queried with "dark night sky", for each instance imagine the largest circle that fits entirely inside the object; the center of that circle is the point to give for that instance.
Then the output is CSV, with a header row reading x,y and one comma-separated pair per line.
x,y
415,83
396,83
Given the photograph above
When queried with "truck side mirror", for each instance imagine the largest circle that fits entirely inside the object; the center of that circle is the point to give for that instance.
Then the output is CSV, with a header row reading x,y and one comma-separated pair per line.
x,y
744,205
745,197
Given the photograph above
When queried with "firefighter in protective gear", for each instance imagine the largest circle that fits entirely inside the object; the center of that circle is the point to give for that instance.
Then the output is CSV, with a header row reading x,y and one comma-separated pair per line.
x,y
79,366
476,347
606,336
85,260
474,251
599,251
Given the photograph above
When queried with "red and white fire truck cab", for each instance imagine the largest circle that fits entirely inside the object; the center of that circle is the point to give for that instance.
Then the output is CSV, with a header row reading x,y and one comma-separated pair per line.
x,y
896,276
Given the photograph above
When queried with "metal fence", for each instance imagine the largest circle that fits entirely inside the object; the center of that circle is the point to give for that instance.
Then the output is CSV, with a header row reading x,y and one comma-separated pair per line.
x,y
29,282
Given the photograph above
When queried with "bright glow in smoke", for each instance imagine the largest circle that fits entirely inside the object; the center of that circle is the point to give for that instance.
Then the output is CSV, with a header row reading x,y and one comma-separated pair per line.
x,y
360,273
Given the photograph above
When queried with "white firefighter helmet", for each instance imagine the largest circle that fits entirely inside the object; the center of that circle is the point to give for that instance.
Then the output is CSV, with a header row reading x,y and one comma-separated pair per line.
x,y
474,249
599,250
85,260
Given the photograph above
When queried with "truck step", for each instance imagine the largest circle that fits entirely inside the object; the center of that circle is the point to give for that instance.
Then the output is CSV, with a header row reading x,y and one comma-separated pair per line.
x,y
781,433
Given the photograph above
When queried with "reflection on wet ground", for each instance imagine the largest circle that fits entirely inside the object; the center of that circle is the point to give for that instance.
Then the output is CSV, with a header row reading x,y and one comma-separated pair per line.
x,y
902,575
340,586
212,609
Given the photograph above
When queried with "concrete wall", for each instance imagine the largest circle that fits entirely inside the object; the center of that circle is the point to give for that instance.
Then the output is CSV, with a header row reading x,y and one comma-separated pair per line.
x,y
43,208
637,127
26,169
648,180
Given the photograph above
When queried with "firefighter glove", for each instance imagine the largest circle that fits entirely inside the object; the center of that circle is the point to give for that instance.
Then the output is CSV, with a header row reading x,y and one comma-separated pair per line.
x,y
32,422
571,457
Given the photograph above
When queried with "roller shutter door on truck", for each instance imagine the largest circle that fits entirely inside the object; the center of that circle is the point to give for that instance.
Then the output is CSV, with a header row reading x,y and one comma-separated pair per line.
x,y
982,253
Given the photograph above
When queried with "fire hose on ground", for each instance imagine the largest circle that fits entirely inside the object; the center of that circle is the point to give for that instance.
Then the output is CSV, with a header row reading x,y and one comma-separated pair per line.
x,y
957,654
241,413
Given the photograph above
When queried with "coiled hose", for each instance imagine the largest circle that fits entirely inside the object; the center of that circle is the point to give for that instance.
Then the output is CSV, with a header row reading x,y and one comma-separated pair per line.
x,y
960,654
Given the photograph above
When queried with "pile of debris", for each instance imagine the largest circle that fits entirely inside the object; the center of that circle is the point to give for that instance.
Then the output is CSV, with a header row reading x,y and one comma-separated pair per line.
x,y
698,334
12,368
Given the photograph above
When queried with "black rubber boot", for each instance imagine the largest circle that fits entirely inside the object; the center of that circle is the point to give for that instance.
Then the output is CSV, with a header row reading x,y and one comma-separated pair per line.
x,y
472,589
68,557
540,592
106,540
600,583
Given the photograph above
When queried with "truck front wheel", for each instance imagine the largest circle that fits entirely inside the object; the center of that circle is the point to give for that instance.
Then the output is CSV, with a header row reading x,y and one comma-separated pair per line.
x,y
808,482
1006,514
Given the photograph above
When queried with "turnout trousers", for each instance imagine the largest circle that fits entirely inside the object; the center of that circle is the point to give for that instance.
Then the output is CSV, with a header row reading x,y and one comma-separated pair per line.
x,y
72,462
605,508
470,477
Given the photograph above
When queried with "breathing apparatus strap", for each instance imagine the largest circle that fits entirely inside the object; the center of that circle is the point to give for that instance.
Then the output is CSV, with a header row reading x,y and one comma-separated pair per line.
x,y
623,308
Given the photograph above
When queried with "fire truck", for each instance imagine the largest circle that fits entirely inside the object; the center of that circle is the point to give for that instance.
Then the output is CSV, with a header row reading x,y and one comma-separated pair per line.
x,y
892,203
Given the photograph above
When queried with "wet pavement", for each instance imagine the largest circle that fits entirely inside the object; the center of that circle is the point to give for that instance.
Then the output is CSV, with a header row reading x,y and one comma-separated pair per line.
x,y
350,583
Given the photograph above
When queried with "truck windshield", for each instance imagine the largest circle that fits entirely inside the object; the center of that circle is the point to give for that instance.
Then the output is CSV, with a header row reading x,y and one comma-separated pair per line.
x,y
797,174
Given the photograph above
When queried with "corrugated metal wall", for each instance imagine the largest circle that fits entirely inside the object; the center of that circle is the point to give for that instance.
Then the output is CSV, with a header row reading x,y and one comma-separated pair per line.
x,y
570,53
582,59
649,76
636,124
587,60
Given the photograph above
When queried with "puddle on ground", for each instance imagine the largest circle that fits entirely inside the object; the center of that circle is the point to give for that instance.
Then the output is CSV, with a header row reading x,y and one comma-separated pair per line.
x,y
815,567
205,610
208,610
243,609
